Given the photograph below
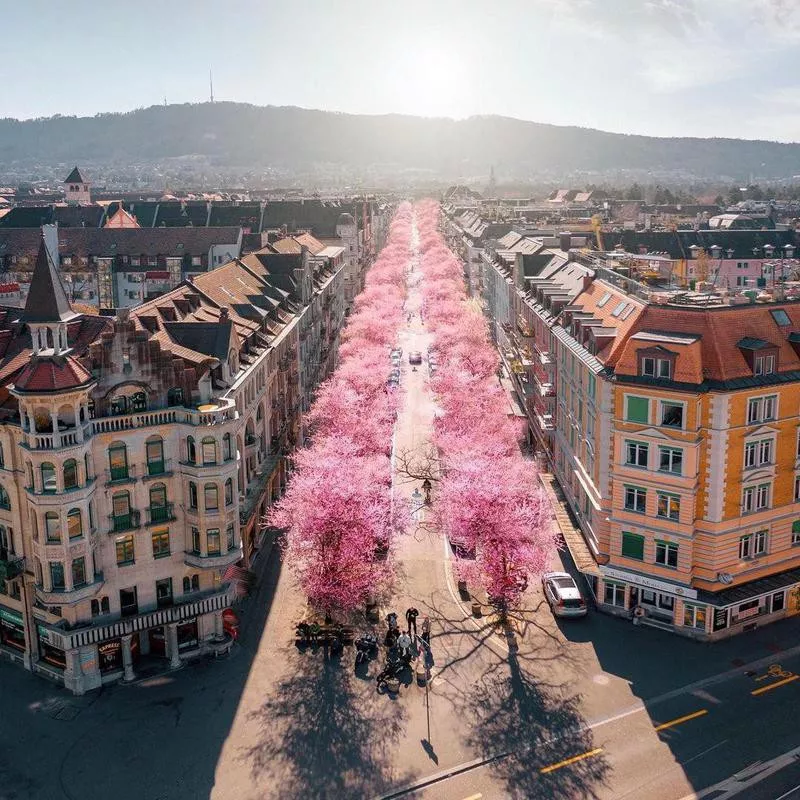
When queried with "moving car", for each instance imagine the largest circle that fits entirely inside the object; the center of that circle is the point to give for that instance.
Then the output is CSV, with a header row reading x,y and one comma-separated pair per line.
x,y
563,595
415,357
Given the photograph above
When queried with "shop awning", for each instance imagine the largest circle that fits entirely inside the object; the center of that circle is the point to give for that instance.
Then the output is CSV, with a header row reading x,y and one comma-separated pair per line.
x,y
734,595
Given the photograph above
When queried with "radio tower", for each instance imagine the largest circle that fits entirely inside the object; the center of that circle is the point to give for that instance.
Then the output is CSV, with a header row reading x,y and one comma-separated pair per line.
x,y
211,85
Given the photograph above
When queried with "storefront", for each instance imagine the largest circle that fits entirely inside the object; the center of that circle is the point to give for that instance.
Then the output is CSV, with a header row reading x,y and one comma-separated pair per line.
x,y
48,652
12,629
110,654
188,638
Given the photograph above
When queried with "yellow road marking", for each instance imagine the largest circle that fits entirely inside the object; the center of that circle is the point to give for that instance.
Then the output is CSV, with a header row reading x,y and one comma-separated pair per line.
x,y
774,685
679,720
567,761
775,671
474,797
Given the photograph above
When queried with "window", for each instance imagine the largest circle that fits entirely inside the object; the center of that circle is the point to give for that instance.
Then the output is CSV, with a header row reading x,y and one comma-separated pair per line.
x,y
614,594
227,447
128,602
158,503
636,454
635,499
154,449
760,409
121,510
125,550
175,396
228,492
56,576
638,409
78,572
211,497
669,506
192,494
604,299
187,586
670,459
755,498
758,453
119,405
633,545
753,544
230,538
796,532
49,485
164,593
778,601
5,500
209,450
656,367
196,540
70,474
764,365
160,544
191,451
118,461
619,308
74,524
139,399
667,554
694,617
212,542
781,317
52,525
592,387
671,414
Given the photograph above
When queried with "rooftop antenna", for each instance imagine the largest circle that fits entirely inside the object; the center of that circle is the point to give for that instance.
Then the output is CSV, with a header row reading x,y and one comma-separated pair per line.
x,y
211,84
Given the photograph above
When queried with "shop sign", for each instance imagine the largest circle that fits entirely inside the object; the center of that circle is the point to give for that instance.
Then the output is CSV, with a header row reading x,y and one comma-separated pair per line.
x,y
11,616
720,618
649,583
44,634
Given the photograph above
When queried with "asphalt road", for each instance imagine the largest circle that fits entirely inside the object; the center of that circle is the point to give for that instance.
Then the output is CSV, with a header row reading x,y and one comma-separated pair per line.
x,y
592,708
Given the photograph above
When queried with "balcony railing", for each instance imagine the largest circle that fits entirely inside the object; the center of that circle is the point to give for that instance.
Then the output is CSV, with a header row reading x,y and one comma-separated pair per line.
x,y
125,522
155,468
11,566
156,514
121,474
215,412
69,437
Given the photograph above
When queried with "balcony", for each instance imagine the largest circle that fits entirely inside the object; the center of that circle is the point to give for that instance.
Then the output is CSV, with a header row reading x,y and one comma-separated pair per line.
x,y
215,412
124,522
11,566
212,561
248,502
64,437
159,514
65,597
120,475
157,469
545,388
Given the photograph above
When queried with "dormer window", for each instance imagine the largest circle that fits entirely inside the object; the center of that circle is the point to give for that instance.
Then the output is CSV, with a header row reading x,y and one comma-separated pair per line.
x,y
656,367
764,365
761,356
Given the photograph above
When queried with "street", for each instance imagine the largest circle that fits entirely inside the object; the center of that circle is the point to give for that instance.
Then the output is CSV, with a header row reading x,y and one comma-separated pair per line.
x,y
579,708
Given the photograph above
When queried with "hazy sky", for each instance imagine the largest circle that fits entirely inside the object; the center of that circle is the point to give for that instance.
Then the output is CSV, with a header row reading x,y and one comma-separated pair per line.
x,y
662,67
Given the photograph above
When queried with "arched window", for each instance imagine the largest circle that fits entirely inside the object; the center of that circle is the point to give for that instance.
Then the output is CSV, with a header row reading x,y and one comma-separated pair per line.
x,y
118,461
228,492
260,412
209,446
121,517
105,607
95,608
2,457
139,401
175,396
70,474
29,471
191,450
74,523
87,471
49,485
195,583
5,541
154,448
187,586
192,494
227,447
158,503
211,496
5,500
52,522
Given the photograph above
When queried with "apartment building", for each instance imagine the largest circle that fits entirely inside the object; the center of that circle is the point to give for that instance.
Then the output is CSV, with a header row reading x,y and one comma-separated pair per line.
x,y
669,418
139,455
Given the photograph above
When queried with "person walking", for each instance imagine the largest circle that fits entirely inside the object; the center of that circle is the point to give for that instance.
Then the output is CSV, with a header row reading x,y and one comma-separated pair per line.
x,y
404,645
426,631
411,619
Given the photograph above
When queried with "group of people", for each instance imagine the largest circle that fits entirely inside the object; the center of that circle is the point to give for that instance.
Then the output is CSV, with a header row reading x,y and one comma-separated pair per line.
x,y
402,640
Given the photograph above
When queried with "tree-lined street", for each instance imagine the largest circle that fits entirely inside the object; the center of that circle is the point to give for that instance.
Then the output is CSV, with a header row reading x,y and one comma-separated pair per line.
x,y
586,708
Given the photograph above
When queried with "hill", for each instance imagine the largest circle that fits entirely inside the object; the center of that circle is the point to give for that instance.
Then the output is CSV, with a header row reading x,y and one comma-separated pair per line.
x,y
295,138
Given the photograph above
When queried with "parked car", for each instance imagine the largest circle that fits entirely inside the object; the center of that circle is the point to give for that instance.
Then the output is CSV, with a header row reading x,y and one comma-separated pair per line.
x,y
563,595
415,357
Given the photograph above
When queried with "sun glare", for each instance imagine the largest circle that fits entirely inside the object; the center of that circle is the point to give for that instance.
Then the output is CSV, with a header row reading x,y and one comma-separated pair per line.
x,y
429,82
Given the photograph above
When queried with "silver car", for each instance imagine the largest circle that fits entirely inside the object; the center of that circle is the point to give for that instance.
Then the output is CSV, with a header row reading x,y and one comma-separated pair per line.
x,y
563,595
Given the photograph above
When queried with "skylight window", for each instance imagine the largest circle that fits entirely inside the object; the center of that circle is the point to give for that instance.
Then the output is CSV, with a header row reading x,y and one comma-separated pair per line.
x,y
604,299
627,312
780,317
619,309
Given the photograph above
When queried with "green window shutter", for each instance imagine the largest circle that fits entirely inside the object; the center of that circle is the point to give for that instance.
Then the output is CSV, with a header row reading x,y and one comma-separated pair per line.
x,y
638,409
633,546
796,526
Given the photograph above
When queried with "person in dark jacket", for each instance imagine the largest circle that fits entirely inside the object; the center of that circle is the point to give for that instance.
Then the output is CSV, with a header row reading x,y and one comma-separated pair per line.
x,y
411,619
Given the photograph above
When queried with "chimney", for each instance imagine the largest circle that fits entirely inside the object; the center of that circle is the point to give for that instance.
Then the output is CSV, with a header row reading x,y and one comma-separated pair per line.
x,y
224,313
565,239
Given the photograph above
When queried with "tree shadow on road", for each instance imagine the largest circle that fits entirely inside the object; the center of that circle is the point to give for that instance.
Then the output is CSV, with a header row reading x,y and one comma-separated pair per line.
x,y
319,739
525,728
